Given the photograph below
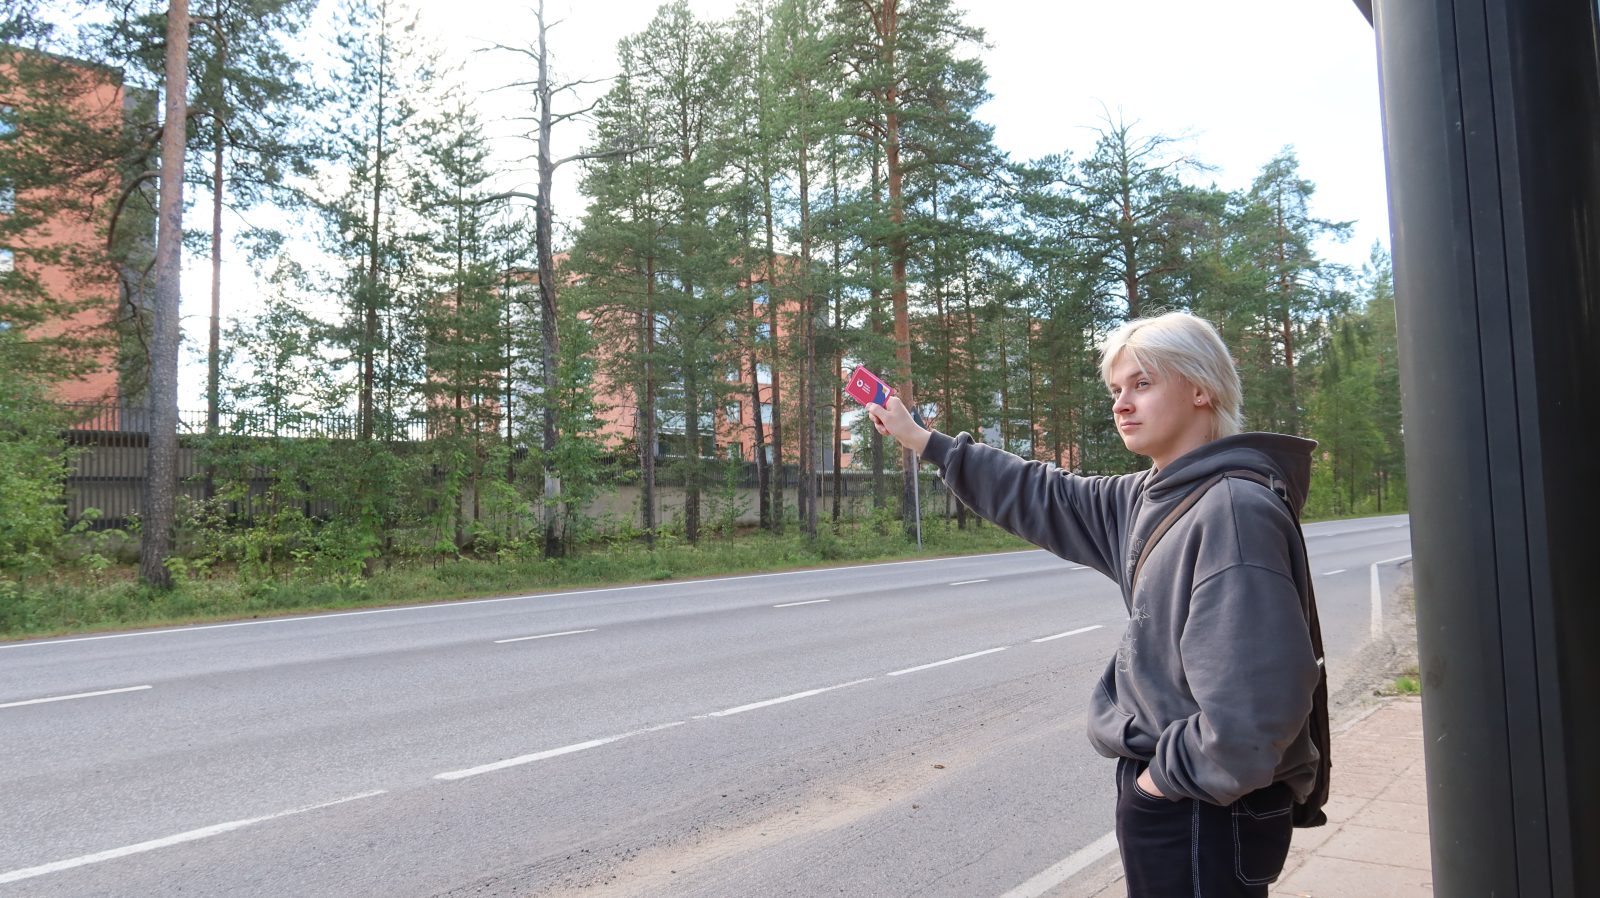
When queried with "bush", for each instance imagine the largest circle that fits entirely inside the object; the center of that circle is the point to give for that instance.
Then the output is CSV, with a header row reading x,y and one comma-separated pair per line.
x,y
33,467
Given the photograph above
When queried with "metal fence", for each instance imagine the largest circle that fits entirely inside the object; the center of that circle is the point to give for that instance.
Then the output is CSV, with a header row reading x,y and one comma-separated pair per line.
x,y
110,445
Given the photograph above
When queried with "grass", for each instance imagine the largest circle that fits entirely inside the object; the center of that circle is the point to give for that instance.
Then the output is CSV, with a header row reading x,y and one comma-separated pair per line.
x,y
1409,682
69,602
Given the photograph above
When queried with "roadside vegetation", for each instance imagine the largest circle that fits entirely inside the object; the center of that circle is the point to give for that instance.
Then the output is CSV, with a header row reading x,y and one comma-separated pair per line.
x,y
93,591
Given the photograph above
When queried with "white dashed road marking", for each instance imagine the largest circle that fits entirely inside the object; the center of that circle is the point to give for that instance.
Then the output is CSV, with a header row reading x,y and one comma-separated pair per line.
x,y
787,698
552,753
947,661
190,836
64,698
542,636
1069,633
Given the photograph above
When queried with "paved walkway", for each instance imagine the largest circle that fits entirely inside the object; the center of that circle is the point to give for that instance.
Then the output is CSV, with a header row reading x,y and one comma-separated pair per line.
x,y
1375,844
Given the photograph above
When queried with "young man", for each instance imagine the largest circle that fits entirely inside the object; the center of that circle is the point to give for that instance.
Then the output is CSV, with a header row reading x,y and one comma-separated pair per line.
x,y
1206,704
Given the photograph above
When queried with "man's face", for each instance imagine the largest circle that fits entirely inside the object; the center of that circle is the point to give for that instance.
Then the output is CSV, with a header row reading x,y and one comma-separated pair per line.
x,y
1159,417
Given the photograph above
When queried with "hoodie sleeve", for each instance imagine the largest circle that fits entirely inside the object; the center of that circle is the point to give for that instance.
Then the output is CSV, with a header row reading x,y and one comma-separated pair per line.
x,y
1076,518
1248,661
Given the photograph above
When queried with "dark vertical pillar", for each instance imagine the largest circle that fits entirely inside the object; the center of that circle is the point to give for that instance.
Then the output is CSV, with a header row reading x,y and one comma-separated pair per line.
x,y
1491,113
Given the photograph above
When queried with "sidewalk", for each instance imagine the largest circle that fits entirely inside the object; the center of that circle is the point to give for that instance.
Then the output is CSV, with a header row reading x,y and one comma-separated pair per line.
x,y
1376,840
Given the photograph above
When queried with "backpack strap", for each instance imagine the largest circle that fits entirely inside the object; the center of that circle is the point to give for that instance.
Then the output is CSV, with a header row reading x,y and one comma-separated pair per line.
x,y
1167,522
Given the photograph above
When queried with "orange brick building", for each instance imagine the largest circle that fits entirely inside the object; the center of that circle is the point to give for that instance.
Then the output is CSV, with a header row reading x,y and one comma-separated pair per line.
x,y
55,274
731,425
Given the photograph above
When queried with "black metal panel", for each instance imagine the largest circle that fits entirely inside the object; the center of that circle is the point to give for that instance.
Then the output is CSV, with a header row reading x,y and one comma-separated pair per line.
x,y
1546,60
1491,116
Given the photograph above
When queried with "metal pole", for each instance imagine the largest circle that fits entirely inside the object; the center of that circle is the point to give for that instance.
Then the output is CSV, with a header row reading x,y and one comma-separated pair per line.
x,y
916,495
1491,112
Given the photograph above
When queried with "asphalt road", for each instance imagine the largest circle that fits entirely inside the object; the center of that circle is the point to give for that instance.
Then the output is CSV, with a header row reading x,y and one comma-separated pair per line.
x,y
901,729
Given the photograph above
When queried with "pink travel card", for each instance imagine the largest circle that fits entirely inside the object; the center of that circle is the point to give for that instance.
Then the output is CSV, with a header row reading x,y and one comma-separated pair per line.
x,y
864,387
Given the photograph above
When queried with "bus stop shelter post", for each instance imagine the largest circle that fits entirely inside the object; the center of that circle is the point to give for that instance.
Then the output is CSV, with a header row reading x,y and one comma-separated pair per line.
x,y
1491,112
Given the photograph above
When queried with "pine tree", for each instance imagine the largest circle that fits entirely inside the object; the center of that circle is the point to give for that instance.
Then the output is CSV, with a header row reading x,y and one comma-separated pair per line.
x,y
380,70
546,89
461,307
918,90
161,470
1294,290
249,97
1135,214
616,257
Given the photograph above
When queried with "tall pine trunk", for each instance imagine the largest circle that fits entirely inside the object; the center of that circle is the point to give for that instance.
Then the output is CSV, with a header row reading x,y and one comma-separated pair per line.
x,y
647,408
808,302
880,492
214,341
161,473
899,251
777,354
837,294
369,330
764,500
549,319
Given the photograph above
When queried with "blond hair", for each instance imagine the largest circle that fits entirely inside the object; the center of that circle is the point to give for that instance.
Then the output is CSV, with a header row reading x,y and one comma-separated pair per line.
x,y
1188,346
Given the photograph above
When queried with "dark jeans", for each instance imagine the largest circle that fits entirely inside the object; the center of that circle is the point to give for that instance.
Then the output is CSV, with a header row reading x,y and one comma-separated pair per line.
x,y
1193,849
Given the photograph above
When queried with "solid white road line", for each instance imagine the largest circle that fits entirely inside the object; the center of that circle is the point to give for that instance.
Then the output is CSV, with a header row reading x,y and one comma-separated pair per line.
x,y
180,838
969,582
1066,868
542,636
64,698
798,604
552,753
947,661
469,602
1069,633
1331,573
787,698
1376,625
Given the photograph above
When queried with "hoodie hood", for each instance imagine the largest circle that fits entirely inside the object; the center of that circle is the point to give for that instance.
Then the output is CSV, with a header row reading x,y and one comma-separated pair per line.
x,y
1276,454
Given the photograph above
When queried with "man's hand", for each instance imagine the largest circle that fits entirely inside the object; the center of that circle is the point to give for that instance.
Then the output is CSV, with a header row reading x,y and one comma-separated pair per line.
x,y
894,420
1148,785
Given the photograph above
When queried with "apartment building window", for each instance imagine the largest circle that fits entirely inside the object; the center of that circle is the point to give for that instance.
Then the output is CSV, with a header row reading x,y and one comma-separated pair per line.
x,y
8,261
766,413
8,194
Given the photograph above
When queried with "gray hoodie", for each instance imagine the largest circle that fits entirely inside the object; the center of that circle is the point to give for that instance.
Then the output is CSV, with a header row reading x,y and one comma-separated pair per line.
x,y
1214,679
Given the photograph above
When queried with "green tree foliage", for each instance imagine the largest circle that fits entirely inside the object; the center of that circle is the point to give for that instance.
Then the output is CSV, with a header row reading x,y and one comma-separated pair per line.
x,y
378,82
1136,216
460,251
1289,291
249,98
1355,410
668,199
32,466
